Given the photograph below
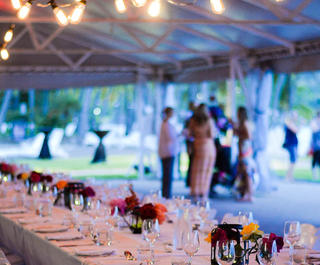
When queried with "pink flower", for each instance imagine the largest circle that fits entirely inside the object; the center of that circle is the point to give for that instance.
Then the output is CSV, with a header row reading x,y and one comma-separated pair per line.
x,y
120,203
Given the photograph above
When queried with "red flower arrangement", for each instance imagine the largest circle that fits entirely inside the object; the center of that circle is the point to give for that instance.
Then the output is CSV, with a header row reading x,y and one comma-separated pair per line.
x,y
47,178
88,192
148,211
220,235
269,242
5,168
132,201
35,177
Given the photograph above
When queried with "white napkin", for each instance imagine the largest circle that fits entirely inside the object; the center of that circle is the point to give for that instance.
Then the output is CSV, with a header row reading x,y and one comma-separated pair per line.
x,y
50,228
65,236
13,210
93,251
34,220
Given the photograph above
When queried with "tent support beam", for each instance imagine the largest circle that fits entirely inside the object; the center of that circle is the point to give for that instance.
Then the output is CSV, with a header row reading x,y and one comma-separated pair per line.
x,y
17,37
222,21
247,28
50,38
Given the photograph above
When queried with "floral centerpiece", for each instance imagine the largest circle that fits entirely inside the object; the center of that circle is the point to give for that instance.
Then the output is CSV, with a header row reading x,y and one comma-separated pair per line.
x,y
87,193
6,171
33,180
267,249
131,206
45,179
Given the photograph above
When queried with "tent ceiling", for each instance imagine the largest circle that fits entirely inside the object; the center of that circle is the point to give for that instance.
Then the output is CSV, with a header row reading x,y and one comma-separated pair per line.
x,y
184,41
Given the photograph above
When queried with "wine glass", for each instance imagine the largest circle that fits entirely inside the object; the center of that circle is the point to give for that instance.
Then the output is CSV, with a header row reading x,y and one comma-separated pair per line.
x,y
292,235
77,202
111,221
226,252
151,232
191,243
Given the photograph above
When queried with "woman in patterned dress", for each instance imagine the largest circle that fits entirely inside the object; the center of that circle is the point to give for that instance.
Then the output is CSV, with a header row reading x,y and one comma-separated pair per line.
x,y
201,128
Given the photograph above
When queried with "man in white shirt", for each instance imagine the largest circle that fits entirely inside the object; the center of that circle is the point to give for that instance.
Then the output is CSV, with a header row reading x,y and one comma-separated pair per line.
x,y
168,147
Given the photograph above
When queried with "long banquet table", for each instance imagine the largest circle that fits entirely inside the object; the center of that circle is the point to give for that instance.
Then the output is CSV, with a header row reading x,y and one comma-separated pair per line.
x,y
36,249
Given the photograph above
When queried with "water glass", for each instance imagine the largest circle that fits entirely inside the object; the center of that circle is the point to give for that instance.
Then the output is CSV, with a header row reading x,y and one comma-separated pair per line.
x,y
151,232
191,243
292,235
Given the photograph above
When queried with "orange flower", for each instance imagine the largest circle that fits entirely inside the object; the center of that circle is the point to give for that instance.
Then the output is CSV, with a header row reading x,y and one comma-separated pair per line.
x,y
208,238
161,207
25,175
161,212
61,184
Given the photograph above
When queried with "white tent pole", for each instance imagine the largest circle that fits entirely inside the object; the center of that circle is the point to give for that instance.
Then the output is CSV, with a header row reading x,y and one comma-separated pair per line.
x,y
5,105
140,105
205,91
83,124
158,109
31,97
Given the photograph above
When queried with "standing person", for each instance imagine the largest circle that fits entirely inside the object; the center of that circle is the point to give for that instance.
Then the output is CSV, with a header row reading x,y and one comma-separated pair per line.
x,y
168,147
201,128
189,142
291,141
245,162
315,145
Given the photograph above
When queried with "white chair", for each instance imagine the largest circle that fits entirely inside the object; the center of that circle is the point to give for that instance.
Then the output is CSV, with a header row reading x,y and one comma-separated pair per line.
x,y
308,235
55,140
28,148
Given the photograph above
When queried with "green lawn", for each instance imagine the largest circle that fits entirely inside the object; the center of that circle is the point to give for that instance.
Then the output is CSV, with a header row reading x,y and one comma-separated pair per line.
x,y
299,174
117,166
120,167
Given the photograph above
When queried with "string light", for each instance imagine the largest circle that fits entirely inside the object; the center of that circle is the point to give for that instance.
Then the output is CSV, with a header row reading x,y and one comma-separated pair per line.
x,y
60,15
217,6
77,12
120,6
139,3
154,8
24,11
16,4
9,34
4,54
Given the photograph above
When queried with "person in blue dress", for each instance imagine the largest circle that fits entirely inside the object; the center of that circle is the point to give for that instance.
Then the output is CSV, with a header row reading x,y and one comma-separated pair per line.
x,y
291,142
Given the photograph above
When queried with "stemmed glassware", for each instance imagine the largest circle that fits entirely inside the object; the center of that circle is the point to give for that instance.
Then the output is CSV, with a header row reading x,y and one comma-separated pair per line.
x,y
151,232
191,243
111,220
77,202
226,252
292,235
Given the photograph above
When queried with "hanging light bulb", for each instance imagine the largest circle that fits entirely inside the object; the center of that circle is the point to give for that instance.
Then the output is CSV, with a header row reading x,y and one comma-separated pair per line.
x,y
24,11
139,3
60,15
217,6
154,8
120,6
4,54
9,34
77,12
16,4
